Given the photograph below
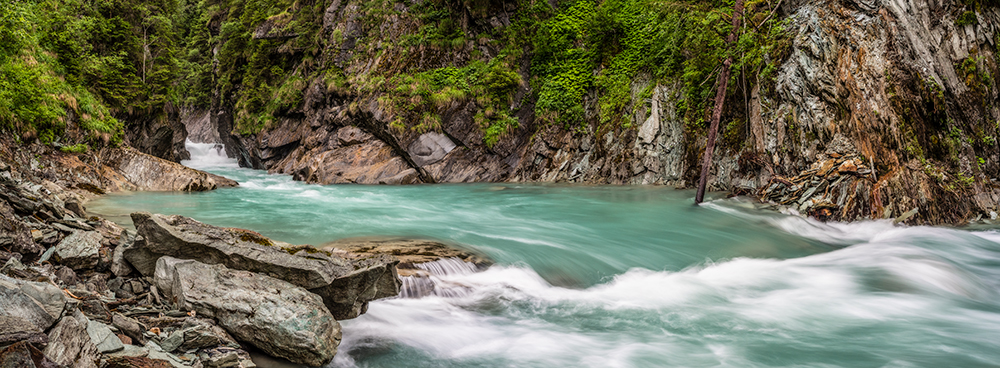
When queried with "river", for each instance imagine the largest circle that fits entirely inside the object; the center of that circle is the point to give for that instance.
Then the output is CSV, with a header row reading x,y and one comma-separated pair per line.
x,y
613,276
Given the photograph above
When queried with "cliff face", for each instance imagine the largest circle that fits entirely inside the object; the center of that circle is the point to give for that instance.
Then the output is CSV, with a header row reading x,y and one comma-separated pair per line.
x,y
905,87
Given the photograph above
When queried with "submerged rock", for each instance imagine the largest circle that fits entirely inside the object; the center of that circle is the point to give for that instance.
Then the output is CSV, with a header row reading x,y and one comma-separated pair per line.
x,y
275,316
346,285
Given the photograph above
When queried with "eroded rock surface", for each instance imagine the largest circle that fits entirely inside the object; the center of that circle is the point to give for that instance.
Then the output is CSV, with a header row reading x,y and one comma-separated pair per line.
x,y
275,316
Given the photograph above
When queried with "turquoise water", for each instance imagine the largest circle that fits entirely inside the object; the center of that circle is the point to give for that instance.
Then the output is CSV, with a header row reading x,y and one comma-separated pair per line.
x,y
631,276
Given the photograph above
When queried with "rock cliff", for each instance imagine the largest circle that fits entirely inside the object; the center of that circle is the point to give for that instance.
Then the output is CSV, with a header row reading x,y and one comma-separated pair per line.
x,y
904,86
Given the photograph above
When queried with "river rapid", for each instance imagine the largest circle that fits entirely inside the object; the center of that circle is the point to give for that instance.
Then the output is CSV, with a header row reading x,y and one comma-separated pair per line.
x,y
600,276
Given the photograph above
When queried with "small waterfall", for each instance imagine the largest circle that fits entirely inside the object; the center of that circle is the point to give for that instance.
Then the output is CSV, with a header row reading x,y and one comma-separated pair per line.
x,y
207,155
434,280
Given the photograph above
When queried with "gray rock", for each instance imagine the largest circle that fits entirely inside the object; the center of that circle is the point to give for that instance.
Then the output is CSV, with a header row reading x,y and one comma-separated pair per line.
x,y
275,316
153,351
225,357
119,266
140,257
203,334
172,341
430,148
76,208
103,338
346,285
23,355
80,250
48,254
18,300
70,344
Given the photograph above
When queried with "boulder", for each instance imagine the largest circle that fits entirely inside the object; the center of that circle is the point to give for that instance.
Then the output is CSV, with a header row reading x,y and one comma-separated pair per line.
x,y
275,316
70,344
80,250
346,285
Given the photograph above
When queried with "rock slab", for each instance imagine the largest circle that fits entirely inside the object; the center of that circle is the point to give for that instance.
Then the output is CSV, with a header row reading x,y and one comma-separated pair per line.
x,y
275,316
346,285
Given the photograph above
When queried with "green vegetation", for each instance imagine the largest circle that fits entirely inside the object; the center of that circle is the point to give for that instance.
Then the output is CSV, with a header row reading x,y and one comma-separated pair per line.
x,y
966,18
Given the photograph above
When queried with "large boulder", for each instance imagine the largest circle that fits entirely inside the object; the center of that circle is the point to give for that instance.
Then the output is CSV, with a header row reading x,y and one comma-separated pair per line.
x,y
346,285
275,316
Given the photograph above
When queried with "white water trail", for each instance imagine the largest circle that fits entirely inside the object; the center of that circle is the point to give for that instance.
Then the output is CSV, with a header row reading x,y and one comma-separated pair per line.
x,y
886,283
206,156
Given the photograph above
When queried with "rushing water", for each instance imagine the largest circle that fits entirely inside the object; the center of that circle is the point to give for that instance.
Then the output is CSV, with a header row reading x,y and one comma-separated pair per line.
x,y
630,276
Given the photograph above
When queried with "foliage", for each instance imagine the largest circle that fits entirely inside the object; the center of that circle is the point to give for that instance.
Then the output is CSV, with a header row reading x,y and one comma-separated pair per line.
x,y
489,85
966,18
76,148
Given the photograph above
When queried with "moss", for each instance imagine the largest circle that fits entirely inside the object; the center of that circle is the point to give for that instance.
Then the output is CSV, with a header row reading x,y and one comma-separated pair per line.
x,y
251,237
966,18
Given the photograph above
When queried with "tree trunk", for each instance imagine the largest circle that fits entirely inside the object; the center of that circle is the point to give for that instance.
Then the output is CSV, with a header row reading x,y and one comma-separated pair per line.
x,y
720,100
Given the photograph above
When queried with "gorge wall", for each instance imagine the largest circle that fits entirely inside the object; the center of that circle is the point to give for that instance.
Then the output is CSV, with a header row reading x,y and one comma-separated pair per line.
x,y
905,88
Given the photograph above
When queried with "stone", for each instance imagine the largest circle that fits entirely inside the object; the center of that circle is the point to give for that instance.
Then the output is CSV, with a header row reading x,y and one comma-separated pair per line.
x,y
103,338
279,318
430,148
119,266
135,362
225,357
76,208
14,329
199,334
140,257
20,300
70,344
24,355
346,285
848,167
80,250
172,341
129,327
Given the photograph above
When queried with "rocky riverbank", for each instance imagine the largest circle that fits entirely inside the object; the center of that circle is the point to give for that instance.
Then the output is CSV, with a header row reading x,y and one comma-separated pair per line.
x,y
81,291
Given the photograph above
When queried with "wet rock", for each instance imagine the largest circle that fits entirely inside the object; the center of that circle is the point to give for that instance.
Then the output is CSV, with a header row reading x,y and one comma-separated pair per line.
x,y
70,344
80,250
275,316
346,285
24,355
409,251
